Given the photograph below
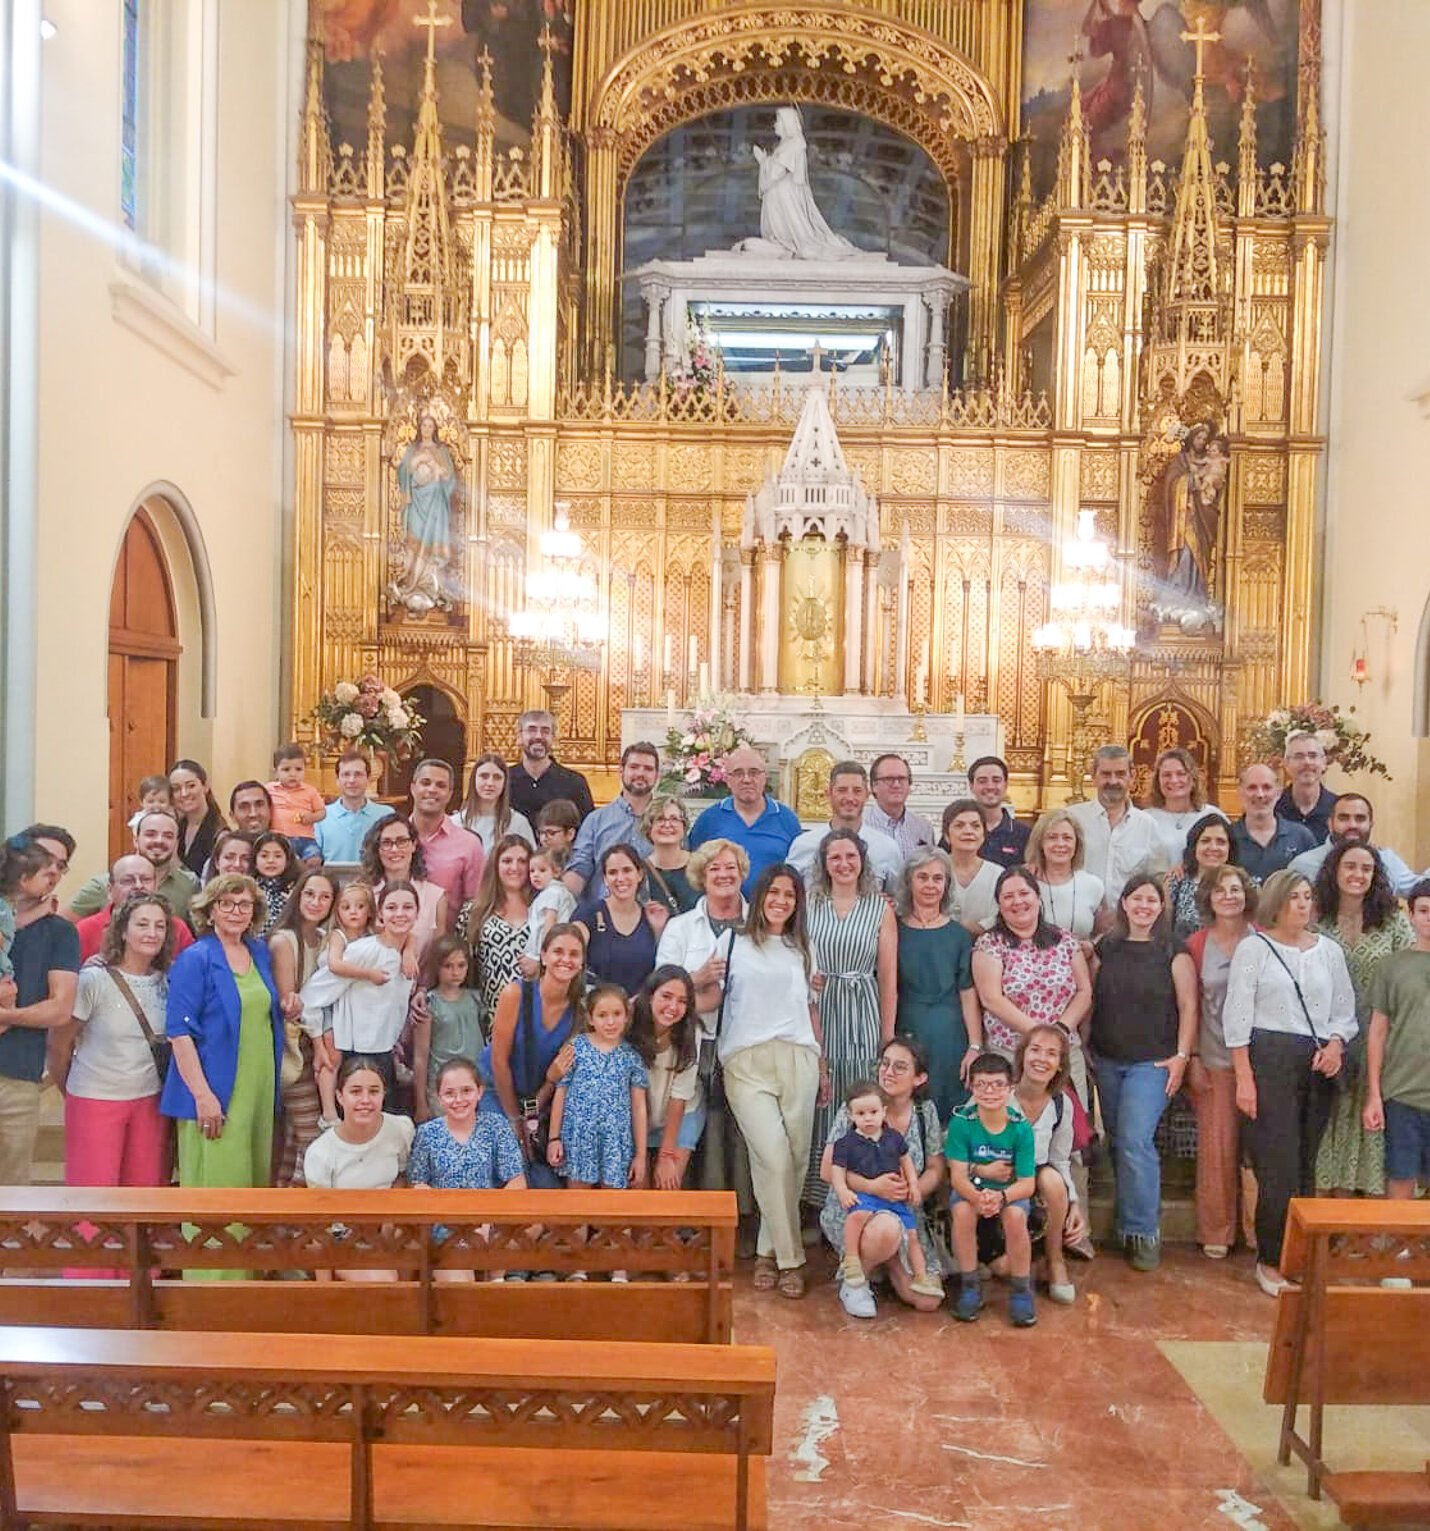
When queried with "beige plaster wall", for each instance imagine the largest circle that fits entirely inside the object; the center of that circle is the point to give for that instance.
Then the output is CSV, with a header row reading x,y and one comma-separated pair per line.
x,y
119,413
1377,530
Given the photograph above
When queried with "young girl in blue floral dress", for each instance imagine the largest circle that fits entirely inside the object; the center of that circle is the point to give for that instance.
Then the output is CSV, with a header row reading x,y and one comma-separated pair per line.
x,y
598,1116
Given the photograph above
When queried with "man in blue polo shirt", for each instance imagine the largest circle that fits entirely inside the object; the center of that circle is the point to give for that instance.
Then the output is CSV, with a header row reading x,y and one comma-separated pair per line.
x,y
341,831
763,828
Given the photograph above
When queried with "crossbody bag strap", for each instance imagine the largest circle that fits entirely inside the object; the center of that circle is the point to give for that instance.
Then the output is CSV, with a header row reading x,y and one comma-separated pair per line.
x,y
654,871
725,987
130,999
1285,968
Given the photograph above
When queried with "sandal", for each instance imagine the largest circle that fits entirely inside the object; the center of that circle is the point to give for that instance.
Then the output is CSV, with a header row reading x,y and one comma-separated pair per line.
x,y
791,1283
767,1273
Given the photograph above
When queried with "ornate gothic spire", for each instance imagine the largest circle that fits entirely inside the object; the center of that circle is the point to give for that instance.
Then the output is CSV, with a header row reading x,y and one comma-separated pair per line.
x,y
1246,149
486,126
1074,143
1190,269
316,156
1137,149
546,129
376,131
1308,156
429,305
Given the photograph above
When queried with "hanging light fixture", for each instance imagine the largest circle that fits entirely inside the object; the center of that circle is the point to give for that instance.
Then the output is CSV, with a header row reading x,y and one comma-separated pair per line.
x,y
559,626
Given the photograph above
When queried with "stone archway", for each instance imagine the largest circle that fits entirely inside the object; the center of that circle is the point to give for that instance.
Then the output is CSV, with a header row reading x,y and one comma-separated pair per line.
x,y
876,66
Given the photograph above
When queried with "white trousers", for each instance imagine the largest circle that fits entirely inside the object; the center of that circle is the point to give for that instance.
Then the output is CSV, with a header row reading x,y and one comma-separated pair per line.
x,y
771,1088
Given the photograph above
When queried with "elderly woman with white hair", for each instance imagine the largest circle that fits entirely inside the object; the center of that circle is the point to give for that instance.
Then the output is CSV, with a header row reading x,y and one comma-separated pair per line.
x,y
937,1003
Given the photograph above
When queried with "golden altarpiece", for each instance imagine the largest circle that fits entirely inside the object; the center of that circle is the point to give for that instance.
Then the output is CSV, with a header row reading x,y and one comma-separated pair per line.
x,y
1143,341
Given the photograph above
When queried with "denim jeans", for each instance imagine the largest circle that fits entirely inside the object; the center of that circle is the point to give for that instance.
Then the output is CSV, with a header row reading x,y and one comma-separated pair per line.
x,y
1134,1096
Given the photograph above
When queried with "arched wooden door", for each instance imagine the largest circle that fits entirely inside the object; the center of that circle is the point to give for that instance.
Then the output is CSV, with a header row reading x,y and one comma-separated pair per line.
x,y
144,651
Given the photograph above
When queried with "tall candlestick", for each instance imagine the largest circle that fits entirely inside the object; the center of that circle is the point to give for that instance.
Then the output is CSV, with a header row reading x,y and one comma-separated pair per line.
x,y
704,678
669,653
958,718
638,652
694,654
670,706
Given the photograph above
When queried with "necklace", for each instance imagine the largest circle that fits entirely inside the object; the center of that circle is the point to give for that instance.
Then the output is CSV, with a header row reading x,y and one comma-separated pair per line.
x,y
1052,909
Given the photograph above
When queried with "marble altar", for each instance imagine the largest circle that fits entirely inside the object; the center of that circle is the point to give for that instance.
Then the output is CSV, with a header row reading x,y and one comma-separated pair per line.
x,y
791,729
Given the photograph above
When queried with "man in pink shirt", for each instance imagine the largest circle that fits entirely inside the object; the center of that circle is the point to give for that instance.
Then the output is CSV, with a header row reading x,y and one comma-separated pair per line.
x,y
130,875
453,854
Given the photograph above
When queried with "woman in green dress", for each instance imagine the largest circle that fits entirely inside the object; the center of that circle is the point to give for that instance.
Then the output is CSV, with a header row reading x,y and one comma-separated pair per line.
x,y
855,946
225,1021
937,1003
1358,910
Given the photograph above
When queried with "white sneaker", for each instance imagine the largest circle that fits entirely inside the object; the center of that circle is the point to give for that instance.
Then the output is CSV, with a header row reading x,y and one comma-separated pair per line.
x,y
857,1301
620,1276
576,1276
1272,1282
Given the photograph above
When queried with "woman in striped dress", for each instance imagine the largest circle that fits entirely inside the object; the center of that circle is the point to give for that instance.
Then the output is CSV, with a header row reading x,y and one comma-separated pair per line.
x,y
855,941
495,925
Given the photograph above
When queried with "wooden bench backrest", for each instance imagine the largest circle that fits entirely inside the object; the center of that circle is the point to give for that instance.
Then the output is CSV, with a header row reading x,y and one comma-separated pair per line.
x,y
648,1234
409,1390
1363,1240
1376,1347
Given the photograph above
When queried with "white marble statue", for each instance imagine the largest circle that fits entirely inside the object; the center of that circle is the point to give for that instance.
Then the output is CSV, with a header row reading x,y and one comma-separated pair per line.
x,y
791,225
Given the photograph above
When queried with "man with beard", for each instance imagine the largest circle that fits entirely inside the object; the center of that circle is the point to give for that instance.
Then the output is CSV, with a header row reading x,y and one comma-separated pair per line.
x,y
1351,823
618,823
538,778
156,839
1118,838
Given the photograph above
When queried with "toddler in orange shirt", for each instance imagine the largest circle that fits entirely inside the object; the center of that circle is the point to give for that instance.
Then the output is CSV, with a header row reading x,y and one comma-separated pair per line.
x,y
297,805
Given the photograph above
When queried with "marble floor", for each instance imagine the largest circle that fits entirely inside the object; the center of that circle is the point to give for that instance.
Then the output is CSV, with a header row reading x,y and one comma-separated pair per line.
x,y
1138,1407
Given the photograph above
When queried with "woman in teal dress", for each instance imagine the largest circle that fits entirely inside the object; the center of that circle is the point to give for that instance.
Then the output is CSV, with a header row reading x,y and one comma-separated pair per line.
x,y
937,1003
1359,912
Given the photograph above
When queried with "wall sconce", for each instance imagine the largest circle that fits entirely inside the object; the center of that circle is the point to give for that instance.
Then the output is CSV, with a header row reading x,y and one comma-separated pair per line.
x,y
1360,662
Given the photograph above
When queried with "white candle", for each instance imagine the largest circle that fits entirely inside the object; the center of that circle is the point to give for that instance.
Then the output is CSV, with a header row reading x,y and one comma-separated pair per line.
x,y
920,681
694,655
670,707
669,653
638,653
704,678
958,714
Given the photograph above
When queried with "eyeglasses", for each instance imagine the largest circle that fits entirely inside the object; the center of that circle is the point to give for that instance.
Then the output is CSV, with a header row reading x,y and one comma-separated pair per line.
x,y
990,1082
234,906
891,1066
394,842
746,773
891,781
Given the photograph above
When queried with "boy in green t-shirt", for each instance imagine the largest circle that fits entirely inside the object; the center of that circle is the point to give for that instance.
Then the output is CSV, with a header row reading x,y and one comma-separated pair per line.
x,y
992,1167
1397,1055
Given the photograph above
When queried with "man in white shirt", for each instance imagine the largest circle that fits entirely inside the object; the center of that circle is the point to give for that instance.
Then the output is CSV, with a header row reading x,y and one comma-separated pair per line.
x,y
890,778
1118,838
848,797
1351,823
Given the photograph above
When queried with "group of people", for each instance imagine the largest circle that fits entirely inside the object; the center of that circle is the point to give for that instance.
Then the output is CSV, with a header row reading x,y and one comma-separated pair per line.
x,y
903,1035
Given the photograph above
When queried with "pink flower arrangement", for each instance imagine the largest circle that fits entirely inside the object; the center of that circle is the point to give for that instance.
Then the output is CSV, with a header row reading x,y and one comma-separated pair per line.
x,y
1346,746
695,755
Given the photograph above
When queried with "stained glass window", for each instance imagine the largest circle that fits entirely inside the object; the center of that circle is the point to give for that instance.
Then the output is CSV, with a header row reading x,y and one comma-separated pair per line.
x,y
129,125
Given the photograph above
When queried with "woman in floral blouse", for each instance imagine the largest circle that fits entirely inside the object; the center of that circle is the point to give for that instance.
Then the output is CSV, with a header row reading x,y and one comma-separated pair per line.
x,y
1029,973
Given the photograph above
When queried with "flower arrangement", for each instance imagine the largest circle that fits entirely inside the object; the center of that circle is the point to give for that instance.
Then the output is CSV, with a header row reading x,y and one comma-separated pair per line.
x,y
367,715
697,369
1346,746
695,755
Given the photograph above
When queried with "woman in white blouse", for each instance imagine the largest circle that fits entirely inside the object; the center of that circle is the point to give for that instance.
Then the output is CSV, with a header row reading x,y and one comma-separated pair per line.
x,y
1070,895
1290,1012
770,1050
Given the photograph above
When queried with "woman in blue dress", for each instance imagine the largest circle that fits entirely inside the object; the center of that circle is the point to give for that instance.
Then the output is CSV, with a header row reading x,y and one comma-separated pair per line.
x,y
527,1053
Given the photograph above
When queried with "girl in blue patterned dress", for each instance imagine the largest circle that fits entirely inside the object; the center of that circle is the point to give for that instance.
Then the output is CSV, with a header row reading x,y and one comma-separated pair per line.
x,y
598,1117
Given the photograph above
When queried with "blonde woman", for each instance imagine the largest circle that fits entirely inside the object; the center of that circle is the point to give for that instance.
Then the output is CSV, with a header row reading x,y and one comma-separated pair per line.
x,y
665,825
1069,894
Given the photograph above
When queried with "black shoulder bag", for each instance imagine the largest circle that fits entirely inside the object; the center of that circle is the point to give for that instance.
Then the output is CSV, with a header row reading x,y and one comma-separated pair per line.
x,y
1345,1077
161,1049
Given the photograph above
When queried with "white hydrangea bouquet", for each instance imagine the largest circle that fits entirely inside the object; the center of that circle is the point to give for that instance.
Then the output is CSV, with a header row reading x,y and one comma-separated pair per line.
x,y
367,715
1346,746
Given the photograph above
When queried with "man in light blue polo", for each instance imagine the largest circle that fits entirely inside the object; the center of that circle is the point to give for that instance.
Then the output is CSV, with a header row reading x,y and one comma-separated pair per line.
x,y
617,823
762,827
341,831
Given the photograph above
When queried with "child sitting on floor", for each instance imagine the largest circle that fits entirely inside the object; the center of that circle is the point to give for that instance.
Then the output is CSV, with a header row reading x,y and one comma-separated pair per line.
x,y
993,1171
869,1149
